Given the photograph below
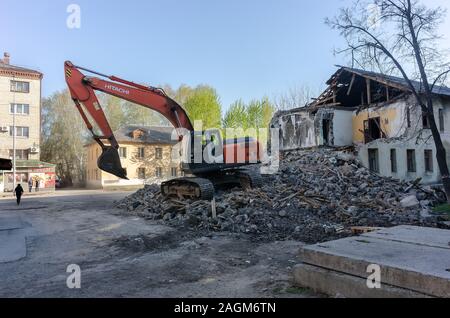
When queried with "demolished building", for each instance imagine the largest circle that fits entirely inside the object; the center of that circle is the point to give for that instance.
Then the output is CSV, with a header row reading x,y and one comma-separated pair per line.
x,y
378,115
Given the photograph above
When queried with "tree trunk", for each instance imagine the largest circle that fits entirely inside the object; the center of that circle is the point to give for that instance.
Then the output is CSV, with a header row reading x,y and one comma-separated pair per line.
x,y
441,154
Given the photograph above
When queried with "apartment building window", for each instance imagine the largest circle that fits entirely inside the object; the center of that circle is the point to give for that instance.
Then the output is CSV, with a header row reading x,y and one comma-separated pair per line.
x,y
141,173
123,152
20,87
20,131
174,172
425,121
20,109
374,165
408,117
393,160
159,153
441,120
411,160
158,172
428,160
141,153
21,154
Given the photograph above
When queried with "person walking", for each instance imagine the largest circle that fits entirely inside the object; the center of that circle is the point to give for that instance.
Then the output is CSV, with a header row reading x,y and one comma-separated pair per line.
x,y
30,184
18,192
37,184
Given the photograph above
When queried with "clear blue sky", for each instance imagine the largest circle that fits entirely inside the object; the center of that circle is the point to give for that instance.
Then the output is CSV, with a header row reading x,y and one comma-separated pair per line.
x,y
244,48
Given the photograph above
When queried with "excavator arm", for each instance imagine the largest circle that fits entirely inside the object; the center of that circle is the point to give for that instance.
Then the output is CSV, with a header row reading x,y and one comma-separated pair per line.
x,y
82,89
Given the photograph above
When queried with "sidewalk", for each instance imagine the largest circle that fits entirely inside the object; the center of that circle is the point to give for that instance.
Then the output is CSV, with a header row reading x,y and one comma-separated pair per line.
x,y
26,194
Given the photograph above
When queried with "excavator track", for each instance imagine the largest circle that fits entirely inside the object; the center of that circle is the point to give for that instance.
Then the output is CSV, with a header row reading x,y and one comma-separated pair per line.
x,y
250,179
194,188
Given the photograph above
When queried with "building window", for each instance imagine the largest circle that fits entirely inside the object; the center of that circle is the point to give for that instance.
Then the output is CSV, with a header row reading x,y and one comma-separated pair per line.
x,y
373,160
97,174
372,130
20,87
441,120
393,161
408,117
158,172
141,173
425,121
411,160
141,153
428,160
122,152
21,154
20,109
159,153
20,131
174,172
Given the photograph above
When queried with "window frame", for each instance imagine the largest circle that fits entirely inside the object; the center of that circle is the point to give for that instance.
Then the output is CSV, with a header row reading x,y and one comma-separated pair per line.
x,y
411,160
428,160
123,152
158,172
22,128
441,120
158,153
13,109
394,165
139,171
13,87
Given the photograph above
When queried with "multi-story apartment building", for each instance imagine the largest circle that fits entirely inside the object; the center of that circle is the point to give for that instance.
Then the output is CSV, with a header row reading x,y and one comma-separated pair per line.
x,y
20,113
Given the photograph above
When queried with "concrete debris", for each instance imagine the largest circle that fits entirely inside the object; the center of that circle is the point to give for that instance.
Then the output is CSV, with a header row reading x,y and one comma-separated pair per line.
x,y
316,196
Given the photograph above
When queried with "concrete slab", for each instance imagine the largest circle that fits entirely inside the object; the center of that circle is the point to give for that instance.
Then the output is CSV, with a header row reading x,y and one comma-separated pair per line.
x,y
12,246
10,222
337,284
415,235
420,268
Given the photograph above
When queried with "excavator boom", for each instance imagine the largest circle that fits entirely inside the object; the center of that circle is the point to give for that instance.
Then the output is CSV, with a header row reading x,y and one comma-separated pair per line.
x,y
82,89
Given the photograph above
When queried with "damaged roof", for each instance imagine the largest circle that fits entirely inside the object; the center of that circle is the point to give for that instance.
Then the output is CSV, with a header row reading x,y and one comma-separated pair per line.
x,y
393,81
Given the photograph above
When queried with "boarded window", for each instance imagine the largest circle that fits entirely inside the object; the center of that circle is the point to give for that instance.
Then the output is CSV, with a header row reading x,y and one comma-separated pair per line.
x,y
141,173
428,160
411,160
393,161
373,160
158,172
159,153
441,120
123,152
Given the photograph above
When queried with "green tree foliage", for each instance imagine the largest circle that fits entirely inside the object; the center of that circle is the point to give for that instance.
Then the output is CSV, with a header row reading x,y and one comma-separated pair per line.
x,y
203,103
63,136
236,116
256,114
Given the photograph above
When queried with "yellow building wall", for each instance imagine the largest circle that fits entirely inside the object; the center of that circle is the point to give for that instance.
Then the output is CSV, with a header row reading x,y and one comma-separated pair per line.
x,y
387,117
132,163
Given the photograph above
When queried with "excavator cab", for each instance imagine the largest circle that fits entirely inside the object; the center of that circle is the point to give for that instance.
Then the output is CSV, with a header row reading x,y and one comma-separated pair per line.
x,y
109,161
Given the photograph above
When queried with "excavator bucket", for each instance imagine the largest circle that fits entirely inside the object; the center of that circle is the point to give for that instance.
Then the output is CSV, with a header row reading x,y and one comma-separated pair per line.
x,y
109,161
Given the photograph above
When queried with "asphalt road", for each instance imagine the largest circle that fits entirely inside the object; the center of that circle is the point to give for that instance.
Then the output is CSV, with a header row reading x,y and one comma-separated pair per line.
x,y
125,256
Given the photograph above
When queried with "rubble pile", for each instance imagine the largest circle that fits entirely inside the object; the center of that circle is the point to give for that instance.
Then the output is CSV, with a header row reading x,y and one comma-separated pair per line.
x,y
315,196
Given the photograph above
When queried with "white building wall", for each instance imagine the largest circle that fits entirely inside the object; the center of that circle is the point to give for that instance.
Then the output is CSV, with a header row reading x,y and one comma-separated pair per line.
x,y
342,123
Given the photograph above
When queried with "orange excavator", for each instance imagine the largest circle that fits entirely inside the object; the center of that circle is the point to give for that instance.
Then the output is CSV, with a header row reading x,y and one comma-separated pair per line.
x,y
200,176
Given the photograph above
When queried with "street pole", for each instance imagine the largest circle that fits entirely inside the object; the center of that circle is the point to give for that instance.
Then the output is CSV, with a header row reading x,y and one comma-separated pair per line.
x,y
14,138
